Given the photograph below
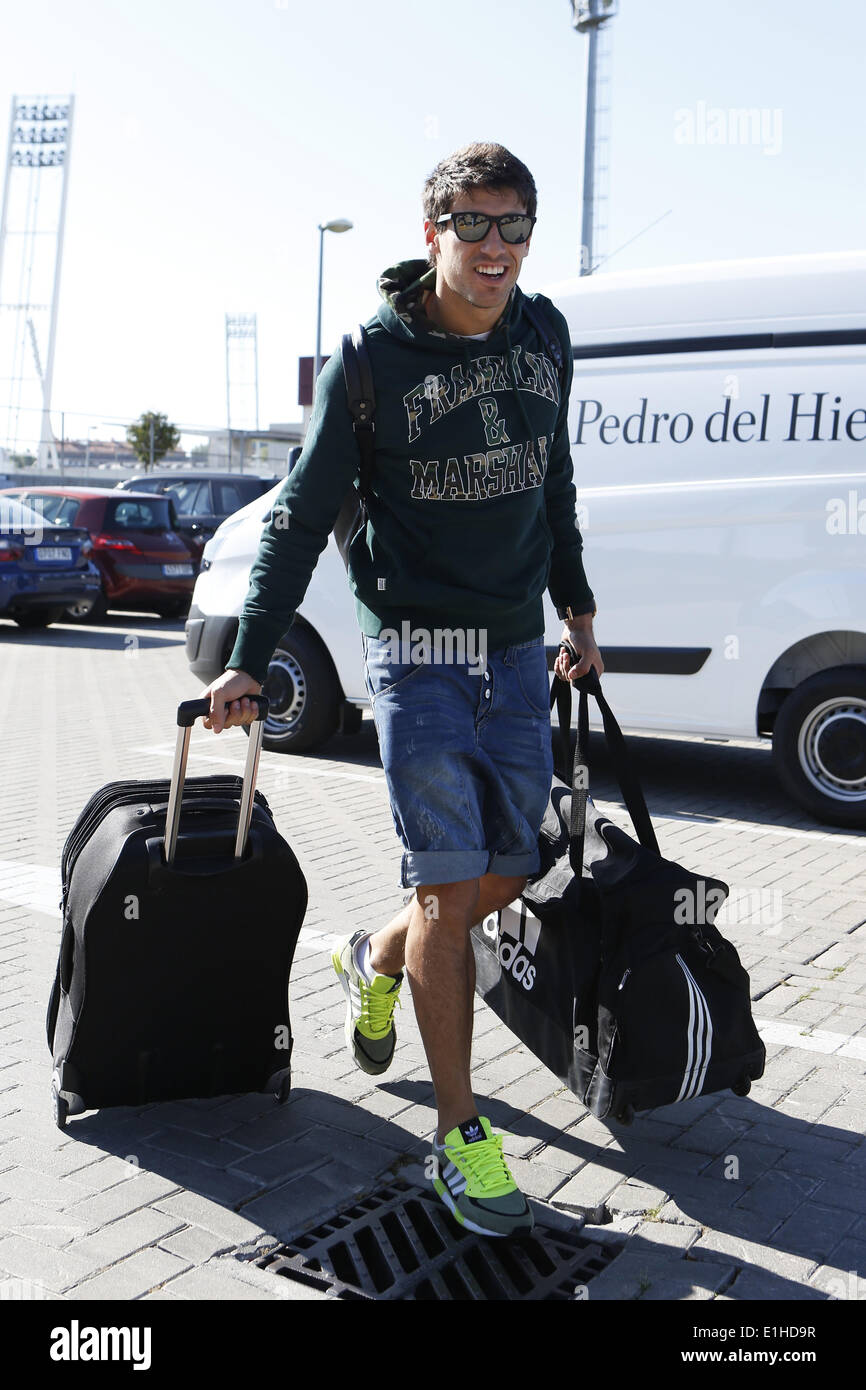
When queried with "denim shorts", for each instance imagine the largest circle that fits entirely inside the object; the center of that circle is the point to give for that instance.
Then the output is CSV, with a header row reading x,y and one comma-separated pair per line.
x,y
467,758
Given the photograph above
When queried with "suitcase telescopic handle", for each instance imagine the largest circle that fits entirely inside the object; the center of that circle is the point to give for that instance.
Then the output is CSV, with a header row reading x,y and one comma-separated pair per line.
x,y
188,711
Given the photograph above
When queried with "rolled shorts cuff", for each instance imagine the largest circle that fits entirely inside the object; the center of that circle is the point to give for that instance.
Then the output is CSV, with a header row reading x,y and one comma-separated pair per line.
x,y
459,866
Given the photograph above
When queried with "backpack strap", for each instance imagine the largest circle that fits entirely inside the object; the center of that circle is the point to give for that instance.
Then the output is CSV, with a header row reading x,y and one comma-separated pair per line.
x,y
545,330
361,399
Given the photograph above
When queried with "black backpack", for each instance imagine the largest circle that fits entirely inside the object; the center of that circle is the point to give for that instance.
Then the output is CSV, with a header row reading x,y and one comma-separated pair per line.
x,y
361,399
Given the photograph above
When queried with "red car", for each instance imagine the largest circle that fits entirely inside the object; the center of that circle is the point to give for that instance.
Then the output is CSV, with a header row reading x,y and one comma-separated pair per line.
x,y
144,564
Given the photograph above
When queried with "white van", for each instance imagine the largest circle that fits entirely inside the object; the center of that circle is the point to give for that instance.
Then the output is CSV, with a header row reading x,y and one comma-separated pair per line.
x,y
718,429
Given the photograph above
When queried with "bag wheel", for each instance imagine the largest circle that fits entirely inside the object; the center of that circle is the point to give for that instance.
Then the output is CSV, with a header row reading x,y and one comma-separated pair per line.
x,y
60,1106
743,1086
626,1115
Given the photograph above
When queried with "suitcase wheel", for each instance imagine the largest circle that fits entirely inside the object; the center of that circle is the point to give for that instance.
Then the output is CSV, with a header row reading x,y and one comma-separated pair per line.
x,y
61,1107
626,1115
743,1086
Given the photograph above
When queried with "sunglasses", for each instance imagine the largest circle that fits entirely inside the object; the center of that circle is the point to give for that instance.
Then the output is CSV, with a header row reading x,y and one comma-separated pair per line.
x,y
514,227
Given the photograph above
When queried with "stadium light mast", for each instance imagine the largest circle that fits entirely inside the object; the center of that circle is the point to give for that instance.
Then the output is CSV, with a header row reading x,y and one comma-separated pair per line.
x,y
589,17
32,221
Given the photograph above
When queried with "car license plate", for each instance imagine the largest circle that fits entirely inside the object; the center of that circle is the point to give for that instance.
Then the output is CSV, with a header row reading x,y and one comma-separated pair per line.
x,y
172,571
53,552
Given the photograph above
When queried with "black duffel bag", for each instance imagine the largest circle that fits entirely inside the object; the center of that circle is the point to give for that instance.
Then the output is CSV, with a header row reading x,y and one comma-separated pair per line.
x,y
609,966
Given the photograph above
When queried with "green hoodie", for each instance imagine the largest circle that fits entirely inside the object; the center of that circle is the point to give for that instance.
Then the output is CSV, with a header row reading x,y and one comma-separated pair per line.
x,y
472,512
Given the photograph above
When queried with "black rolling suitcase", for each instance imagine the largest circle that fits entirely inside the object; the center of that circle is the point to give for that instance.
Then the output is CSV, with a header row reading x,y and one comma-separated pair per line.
x,y
182,906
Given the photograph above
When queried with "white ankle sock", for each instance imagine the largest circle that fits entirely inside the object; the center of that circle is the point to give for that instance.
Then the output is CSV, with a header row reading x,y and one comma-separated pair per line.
x,y
361,954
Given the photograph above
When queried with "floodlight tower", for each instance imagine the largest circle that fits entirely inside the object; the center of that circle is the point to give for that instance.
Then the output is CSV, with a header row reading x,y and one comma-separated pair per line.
x,y
242,376
590,17
31,252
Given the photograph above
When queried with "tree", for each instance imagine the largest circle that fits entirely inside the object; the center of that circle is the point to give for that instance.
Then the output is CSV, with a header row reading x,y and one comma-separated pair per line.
x,y
151,437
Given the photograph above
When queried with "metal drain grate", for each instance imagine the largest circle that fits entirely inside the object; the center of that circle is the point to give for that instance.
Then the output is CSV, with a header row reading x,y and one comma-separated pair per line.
x,y
401,1243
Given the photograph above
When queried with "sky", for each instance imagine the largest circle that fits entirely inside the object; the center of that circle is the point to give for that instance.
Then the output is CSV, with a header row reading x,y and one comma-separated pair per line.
x,y
211,137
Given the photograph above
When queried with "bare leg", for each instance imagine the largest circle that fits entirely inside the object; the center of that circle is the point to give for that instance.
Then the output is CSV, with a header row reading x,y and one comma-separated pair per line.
x,y
388,945
440,966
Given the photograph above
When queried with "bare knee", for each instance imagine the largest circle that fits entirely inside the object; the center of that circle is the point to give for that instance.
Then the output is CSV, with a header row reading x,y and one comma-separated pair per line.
x,y
451,903
499,890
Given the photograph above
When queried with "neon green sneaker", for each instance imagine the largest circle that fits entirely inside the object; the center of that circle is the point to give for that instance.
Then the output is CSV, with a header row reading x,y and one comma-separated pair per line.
x,y
472,1178
370,1033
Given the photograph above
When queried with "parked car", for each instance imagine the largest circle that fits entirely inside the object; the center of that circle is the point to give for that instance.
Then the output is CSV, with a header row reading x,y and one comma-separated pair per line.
x,y
43,568
143,563
202,500
717,421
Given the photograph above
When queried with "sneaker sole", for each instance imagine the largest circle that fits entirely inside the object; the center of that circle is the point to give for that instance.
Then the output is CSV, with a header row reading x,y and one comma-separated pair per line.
x,y
361,1060
468,1225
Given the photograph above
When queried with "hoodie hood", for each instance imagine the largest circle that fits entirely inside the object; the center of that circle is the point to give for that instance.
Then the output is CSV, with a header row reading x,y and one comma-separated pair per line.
x,y
402,287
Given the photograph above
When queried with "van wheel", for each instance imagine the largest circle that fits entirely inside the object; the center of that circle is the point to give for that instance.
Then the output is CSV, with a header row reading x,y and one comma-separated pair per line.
x,y
304,694
819,745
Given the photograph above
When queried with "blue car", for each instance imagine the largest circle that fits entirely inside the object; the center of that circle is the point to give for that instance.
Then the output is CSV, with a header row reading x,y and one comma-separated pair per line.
x,y
43,568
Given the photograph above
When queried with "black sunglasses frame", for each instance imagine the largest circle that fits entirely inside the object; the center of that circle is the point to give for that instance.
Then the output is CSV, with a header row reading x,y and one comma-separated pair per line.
x,y
489,218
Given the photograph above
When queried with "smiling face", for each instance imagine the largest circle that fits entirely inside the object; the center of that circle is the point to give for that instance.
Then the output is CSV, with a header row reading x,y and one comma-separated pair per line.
x,y
474,278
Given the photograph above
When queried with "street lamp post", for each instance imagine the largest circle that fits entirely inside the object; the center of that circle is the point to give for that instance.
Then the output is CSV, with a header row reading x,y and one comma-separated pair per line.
x,y
587,17
339,224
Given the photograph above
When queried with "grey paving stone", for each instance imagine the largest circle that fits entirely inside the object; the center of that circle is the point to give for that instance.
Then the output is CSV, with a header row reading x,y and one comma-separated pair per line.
x,y
215,1152
327,1110
777,1193
228,1187
788,1136
849,1195
633,1274
212,1217
217,1280
712,1134
843,1277
755,1286
282,1162
118,1239
725,1245
142,1273
195,1245
31,1186
752,1160
592,1184
635,1198
676,1234
94,1211
285,1211
813,1230
29,1259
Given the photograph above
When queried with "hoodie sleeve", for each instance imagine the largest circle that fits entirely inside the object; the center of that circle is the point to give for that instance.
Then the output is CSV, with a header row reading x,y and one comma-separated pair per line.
x,y
568,585
301,521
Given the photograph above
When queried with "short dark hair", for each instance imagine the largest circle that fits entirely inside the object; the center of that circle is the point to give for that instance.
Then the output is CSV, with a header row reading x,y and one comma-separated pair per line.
x,y
480,165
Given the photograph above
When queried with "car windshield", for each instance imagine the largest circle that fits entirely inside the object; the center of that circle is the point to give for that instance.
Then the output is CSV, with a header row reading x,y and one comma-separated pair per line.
x,y
138,515
57,510
15,516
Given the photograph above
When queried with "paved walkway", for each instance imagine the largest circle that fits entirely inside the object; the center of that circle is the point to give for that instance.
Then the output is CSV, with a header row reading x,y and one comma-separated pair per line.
x,y
153,1202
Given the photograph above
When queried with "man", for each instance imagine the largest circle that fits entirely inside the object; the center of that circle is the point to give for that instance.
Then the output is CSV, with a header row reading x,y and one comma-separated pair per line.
x,y
472,516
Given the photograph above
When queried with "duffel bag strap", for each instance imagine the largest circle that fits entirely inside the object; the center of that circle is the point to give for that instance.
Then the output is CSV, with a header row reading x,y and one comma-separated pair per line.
x,y
560,695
